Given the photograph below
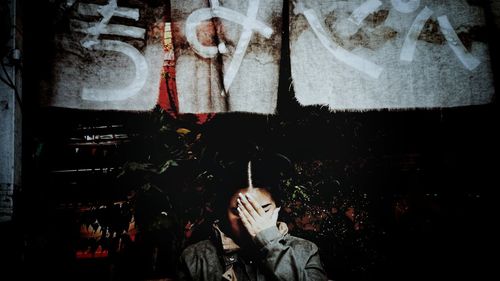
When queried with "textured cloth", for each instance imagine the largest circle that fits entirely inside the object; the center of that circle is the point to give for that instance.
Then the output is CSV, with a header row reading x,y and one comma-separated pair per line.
x,y
104,65
227,55
370,54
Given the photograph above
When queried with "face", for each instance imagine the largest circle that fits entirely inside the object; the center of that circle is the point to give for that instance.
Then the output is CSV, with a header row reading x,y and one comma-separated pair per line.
x,y
262,196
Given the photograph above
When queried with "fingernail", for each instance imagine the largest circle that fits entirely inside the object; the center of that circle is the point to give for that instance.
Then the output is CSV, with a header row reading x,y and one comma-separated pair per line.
x,y
244,197
239,201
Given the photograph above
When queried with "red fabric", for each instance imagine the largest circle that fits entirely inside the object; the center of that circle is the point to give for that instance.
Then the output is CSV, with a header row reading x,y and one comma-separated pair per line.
x,y
167,85
167,98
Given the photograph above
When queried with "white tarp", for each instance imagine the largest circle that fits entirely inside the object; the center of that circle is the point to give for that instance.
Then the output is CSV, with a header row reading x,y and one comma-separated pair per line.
x,y
377,54
110,58
227,55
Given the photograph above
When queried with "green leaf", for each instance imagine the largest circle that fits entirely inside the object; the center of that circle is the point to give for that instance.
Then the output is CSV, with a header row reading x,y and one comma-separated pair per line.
x,y
169,163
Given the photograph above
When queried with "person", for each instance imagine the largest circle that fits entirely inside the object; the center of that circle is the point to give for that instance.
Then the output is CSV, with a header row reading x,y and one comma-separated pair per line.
x,y
248,242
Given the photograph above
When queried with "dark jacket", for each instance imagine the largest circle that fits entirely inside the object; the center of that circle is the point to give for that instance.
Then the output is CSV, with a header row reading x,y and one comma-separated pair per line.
x,y
278,256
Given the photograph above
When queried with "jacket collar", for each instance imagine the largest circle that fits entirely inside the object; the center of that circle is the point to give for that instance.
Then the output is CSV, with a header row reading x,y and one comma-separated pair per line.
x,y
228,244
230,248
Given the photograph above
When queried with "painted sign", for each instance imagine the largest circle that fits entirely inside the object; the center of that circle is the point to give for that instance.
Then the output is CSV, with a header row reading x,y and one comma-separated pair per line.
x,y
227,55
348,55
109,57
377,54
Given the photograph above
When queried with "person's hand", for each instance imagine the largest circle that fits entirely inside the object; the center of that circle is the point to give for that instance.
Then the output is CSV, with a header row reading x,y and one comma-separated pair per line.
x,y
253,216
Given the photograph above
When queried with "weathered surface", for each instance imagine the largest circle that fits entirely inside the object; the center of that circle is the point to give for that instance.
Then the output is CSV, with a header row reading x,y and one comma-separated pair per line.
x,y
109,56
384,62
10,117
242,74
495,9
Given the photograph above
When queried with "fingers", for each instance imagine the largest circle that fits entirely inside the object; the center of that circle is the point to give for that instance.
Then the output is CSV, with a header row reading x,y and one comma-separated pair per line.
x,y
248,206
255,205
243,212
245,221
274,217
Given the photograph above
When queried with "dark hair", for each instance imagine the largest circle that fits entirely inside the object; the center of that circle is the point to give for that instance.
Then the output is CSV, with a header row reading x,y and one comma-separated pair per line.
x,y
266,172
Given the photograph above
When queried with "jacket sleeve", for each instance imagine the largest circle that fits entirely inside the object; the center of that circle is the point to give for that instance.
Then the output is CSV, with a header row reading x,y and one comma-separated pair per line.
x,y
183,273
289,261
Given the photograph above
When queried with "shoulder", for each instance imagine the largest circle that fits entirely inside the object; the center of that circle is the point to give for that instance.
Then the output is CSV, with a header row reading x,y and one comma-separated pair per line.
x,y
200,261
200,249
300,243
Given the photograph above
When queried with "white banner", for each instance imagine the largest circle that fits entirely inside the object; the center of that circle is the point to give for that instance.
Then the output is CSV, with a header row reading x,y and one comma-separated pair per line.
x,y
378,54
227,55
110,57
